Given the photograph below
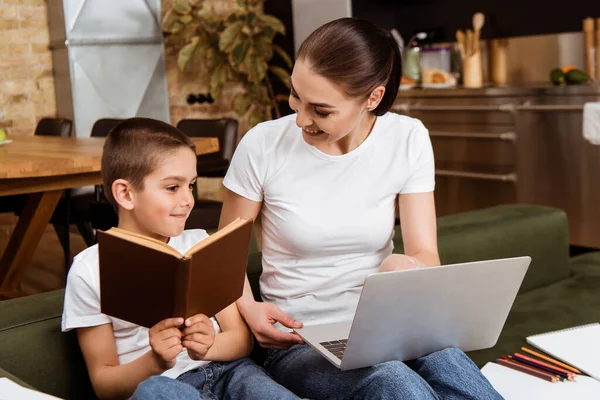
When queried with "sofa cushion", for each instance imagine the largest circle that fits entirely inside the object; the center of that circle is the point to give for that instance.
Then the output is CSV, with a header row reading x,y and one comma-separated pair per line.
x,y
592,259
507,231
571,302
33,348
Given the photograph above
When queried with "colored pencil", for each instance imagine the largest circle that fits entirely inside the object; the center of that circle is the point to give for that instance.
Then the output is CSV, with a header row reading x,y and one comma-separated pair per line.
x,y
551,360
531,371
543,366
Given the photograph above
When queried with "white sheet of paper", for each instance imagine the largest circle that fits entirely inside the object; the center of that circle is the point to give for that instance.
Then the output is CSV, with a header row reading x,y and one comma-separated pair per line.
x,y
577,346
10,390
515,385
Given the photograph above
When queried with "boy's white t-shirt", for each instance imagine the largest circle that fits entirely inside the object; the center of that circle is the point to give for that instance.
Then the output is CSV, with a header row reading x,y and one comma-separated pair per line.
x,y
82,306
328,221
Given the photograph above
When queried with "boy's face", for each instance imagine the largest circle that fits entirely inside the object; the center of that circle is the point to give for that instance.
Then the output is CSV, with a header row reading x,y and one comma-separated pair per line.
x,y
161,208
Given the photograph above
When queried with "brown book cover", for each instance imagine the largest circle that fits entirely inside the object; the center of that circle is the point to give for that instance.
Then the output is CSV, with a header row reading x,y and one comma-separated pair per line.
x,y
143,280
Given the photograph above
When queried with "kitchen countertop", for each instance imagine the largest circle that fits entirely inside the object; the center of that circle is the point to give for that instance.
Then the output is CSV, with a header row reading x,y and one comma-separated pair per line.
x,y
497,91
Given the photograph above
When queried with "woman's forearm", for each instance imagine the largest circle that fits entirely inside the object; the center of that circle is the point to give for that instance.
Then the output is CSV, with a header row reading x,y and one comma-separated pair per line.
x,y
247,298
427,258
230,345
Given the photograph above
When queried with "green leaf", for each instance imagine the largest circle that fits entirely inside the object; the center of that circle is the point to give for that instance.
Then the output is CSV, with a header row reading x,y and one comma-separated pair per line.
x,y
210,24
169,20
229,36
231,18
284,56
177,26
217,79
281,74
256,67
186,53
251,17
263,46
272,22
213,58
238,54
267,30
186,19
204,13
241,104
181,7
256,117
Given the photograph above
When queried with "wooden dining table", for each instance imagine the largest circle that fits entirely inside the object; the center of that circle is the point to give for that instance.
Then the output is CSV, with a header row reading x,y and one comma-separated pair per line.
x,y
43,167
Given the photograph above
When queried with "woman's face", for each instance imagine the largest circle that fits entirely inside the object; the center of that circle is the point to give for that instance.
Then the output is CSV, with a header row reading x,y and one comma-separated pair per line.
x,y
324,112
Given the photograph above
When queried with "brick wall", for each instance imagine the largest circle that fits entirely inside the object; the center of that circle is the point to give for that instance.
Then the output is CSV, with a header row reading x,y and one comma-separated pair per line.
x,y
26,82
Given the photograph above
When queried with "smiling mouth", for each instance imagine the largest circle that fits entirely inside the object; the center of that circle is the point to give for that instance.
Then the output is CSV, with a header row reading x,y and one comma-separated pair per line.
x,y
312,132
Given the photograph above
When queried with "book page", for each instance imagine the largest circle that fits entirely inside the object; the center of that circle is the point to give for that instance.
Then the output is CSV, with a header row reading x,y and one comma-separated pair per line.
x,y
144,241
215,236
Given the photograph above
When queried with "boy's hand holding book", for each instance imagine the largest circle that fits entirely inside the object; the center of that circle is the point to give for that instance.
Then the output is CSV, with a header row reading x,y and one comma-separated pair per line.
x,y
198,336
165,341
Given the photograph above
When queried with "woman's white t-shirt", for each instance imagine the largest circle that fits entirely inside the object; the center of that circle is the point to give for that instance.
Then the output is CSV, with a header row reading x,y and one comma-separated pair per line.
x,y
327,221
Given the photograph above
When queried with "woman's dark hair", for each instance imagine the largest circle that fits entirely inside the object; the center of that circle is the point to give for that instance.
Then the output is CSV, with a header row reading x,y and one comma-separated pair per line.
x,y
357,56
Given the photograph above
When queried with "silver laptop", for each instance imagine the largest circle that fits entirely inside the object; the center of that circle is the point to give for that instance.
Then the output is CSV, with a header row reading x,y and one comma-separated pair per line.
x,y
403,315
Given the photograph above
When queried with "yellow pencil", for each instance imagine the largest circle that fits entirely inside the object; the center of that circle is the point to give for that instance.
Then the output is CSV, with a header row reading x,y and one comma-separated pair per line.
x,y
552,360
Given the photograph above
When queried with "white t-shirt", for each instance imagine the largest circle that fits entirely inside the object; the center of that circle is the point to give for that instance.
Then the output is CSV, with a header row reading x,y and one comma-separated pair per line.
x,y
82,306
328,221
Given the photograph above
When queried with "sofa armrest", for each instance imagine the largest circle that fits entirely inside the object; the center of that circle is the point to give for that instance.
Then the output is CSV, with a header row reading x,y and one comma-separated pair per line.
x,y
33,348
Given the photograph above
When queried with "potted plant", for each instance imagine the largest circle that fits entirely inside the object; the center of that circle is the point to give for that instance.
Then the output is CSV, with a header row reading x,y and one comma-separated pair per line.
x,y
234,48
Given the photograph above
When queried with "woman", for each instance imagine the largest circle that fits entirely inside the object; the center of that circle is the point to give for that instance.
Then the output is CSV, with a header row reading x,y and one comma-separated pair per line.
x,y
325,182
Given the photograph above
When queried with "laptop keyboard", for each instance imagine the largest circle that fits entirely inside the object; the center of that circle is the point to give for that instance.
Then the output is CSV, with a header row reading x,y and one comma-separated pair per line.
x,y
336,347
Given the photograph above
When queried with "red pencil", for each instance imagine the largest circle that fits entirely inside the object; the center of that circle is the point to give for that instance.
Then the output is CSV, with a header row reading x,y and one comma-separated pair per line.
x,y
552,369
527,370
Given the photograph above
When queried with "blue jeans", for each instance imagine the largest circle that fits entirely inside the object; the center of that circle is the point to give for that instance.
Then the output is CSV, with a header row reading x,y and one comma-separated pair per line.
x,y
445,374
241,379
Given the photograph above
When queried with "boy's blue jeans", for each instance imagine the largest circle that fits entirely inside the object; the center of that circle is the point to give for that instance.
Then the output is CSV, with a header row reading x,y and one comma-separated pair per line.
x,y
446,374
241,379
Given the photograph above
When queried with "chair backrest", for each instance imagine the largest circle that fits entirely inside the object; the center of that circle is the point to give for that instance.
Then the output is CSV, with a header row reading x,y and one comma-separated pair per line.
x,y
225,129
54,127
103,126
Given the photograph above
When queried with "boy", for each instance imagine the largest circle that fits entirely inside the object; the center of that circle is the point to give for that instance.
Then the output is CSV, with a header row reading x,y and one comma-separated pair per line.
x,y
148,171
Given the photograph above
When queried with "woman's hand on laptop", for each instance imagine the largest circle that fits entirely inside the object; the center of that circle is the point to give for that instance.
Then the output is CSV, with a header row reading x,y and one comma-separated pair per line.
x,y
260,317
399,262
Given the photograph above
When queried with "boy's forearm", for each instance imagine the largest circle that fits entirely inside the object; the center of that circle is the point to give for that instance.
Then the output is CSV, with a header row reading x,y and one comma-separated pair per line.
x,y
120,381
230,345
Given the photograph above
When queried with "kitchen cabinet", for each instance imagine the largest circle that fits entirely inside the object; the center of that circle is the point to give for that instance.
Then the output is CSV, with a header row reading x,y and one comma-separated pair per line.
x,y
513,145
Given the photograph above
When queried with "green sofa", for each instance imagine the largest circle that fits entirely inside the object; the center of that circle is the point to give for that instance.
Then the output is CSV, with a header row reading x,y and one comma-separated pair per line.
x,y
557,292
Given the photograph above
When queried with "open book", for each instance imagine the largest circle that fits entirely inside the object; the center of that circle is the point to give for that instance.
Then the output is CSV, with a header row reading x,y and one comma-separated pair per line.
x,y
144,280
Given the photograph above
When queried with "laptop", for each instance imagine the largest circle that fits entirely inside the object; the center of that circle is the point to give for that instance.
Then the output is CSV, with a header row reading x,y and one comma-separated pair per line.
x,y
404,315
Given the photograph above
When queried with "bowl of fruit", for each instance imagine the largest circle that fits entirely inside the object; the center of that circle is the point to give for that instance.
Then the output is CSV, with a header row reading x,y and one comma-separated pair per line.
x,y
3,139
569,75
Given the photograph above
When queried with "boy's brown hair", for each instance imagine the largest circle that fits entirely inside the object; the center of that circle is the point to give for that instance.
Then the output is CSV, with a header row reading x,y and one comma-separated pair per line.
x,y
134,148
